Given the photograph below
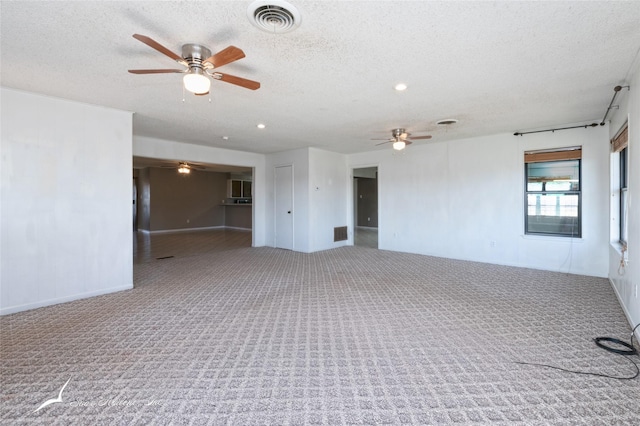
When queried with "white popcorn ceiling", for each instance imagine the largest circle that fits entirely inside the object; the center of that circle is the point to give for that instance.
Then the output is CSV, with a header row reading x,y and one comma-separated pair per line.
x,y
495,66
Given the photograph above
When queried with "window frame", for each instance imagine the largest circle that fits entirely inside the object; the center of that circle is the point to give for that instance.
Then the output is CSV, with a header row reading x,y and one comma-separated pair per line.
x,y
623,180
546,192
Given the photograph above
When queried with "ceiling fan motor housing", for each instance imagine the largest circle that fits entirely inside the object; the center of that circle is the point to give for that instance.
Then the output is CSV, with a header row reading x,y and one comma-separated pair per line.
x,y
195,54
399,133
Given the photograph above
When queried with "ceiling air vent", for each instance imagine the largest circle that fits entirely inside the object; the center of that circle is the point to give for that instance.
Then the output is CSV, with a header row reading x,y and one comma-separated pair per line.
x,y
273,16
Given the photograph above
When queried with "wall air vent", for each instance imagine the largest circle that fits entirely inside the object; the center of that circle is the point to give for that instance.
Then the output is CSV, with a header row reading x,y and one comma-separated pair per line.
x,y
340,233
273,16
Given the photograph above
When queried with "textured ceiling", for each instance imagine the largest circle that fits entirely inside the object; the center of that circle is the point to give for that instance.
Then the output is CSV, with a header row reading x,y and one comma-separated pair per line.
x,y
495,66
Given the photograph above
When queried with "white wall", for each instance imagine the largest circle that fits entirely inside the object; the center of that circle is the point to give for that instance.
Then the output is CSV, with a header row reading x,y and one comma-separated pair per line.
x,y
172,150
66,216
464,199
626,281
320,181
328,197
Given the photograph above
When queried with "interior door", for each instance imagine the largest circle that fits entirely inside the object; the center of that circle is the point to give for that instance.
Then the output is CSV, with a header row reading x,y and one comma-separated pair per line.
x,y
284,207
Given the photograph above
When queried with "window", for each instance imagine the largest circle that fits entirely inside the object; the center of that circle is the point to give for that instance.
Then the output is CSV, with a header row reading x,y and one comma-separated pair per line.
x,y
553,192
619,145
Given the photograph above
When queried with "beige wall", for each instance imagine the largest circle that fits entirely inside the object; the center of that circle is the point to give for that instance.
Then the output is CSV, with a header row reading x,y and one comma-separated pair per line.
x,y
238,216
183,201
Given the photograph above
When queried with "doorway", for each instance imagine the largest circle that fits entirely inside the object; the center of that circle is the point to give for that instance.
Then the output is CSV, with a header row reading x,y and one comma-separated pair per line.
x,y
187,213
365,207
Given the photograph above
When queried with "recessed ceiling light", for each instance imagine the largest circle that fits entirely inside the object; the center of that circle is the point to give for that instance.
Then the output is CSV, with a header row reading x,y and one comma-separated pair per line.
x,y
261,126
225,138
446,122
400,87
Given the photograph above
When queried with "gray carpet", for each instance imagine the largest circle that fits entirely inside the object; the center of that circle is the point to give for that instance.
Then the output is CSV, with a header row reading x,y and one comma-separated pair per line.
x,y
260,336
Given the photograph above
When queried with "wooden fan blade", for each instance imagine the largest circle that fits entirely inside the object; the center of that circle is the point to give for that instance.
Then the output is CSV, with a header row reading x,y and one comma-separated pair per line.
x,y
155,71
382,143
384,139
160,48
238,81
421,137
226,56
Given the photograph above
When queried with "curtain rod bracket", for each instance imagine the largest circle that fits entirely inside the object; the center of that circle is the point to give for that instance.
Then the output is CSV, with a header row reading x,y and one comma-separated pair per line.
x,y
613,99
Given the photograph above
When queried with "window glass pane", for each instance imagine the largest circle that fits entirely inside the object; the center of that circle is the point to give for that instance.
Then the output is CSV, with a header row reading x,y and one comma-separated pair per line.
x,y
558,186
553,214
555,171
534,186
623,168
624,229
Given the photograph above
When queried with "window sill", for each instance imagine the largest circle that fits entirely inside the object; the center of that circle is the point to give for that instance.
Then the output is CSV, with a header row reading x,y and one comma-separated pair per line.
x,y
556,238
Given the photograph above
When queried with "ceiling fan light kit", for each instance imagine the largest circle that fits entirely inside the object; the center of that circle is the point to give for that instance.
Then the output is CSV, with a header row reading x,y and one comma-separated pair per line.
x,y
399,145
184,169
196,82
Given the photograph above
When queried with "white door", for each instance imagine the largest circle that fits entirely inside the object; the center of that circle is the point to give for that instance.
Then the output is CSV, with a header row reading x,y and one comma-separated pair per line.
x,y
284,207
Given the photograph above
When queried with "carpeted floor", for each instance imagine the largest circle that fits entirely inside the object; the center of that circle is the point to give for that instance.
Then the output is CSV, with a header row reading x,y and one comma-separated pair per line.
x,y
261,336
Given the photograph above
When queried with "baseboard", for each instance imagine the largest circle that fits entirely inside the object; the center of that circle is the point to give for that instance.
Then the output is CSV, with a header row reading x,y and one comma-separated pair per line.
x,y
49,302
624,309
173,231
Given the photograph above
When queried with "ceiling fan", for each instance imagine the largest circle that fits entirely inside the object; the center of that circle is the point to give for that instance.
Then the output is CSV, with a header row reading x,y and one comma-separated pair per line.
x,y
400,139
200,65
183,167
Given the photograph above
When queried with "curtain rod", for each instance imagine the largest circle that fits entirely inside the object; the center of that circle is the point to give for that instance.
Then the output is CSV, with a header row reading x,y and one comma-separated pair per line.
x,y
615,90
553,130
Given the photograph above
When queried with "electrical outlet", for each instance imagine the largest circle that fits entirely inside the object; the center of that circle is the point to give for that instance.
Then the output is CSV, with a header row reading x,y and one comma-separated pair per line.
x,y
368,219
492,244
188,220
